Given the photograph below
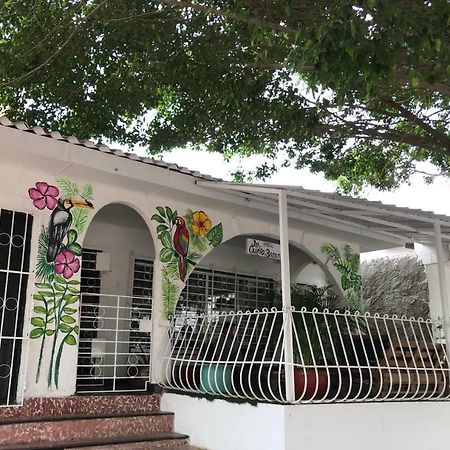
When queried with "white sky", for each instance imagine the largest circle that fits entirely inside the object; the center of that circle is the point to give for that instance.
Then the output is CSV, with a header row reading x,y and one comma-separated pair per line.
x,y
434,197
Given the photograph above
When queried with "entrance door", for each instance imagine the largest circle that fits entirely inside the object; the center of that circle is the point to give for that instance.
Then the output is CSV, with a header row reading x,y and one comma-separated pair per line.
x,y
15,241
115,331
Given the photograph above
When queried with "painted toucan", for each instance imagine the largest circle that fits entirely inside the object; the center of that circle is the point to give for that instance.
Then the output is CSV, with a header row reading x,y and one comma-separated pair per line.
x,y
181,245
60,222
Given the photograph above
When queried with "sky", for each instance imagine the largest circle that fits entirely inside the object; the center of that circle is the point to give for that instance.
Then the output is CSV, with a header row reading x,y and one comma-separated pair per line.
x,y
418,194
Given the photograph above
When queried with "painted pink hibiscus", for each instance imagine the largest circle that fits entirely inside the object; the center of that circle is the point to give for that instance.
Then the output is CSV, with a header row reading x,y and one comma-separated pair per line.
x,y
66,264
44,195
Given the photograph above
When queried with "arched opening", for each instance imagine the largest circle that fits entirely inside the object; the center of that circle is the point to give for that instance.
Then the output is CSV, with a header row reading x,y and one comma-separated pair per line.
x,y
231,278
116,305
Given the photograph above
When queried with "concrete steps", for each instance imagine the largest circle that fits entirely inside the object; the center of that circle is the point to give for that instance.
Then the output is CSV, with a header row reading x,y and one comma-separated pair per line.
x,y
89,422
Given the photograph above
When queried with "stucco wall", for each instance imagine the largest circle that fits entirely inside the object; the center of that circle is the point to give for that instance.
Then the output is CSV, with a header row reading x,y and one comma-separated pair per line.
x,y
396,284
220,425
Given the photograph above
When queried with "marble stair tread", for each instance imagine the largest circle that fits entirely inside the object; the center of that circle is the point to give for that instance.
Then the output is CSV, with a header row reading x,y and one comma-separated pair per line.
x,y
72,430
81,405
93,415
169,438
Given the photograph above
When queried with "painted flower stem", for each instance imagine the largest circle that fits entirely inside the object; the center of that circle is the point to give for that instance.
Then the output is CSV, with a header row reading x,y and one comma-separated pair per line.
x,y
41,350
55,339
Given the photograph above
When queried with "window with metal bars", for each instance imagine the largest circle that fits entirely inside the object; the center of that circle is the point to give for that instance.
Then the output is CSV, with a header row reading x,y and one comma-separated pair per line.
x,y
90,290
209,290
15,243
141,306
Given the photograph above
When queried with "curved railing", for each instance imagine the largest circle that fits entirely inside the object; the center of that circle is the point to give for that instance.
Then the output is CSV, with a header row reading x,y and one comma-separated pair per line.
x,y
337,357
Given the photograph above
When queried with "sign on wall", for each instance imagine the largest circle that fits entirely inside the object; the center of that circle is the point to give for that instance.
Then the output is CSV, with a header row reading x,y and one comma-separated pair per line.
x,y
263,248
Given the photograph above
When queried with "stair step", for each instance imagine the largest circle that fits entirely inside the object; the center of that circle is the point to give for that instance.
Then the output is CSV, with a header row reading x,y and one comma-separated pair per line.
x,y
168,440
43,432
81,405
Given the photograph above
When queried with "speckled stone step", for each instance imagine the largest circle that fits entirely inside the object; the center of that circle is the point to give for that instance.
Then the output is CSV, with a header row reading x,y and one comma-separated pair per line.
x,y
81,405
69,430
168,441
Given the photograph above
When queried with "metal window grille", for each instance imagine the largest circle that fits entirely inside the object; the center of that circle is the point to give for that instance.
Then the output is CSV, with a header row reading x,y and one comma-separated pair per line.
x,y
209,290
90,286
15,241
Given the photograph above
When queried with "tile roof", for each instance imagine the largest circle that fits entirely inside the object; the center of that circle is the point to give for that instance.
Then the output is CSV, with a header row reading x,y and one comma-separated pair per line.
x,y
22,126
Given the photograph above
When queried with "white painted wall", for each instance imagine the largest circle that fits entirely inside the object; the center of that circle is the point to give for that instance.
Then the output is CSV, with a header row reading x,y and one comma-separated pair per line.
x,y
220,425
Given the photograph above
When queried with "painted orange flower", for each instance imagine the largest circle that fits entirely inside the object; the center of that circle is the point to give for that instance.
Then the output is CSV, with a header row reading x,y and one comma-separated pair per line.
x,y
201,223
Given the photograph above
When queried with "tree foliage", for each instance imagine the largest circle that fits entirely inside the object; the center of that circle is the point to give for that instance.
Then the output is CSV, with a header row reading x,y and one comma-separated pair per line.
x,y
358,89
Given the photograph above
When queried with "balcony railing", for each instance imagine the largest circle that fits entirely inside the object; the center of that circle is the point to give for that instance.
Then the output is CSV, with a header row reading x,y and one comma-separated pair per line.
x,y
337,357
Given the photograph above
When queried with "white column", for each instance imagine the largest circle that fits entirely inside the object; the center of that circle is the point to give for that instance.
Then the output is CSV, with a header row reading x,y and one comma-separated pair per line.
x,y
442,282
286,296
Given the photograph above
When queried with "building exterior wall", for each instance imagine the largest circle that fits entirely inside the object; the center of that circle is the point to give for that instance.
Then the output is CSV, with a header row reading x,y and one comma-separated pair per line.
x,y
144,199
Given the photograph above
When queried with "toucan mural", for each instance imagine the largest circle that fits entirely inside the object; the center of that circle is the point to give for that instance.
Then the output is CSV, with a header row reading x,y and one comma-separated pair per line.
x,y
185,240
57,262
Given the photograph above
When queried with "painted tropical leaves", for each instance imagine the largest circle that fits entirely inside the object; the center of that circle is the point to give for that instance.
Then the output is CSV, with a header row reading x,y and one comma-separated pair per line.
x,y
185,240
57,293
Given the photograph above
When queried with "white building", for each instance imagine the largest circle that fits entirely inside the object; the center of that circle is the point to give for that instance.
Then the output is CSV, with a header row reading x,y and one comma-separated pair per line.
x,y
98,249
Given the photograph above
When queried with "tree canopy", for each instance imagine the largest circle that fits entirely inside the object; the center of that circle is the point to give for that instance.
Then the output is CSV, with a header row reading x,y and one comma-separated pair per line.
x,y
357,89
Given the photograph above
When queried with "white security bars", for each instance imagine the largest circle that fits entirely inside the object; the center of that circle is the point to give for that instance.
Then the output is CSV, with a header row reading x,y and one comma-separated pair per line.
x,y
337,357
115,341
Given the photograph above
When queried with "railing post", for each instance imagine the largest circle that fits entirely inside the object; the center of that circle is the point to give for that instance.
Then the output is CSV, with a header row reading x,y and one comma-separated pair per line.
x,y
286,297
442,284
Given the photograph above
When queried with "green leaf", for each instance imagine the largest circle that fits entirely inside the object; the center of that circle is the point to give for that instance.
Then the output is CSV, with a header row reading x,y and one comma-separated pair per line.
x,y
161,211
75,248
39,309
169,213
70,340
61,280
174,216
165,239
59,287
166,255
73,282
38,297
72,236
50,332
44,286
37,322
157,218
46,293
70,310
37,332
64,328
67,319
161,228
73,290
69,299
76,329
215,235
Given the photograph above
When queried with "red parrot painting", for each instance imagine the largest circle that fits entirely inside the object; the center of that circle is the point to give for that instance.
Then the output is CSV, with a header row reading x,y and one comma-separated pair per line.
x,y
181,245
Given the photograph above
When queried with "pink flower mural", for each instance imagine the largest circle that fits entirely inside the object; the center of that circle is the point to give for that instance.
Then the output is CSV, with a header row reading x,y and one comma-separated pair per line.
x,y
66,264
44,195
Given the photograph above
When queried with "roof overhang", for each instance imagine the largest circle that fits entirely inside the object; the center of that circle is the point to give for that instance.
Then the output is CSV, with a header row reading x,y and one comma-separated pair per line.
x,y
385,222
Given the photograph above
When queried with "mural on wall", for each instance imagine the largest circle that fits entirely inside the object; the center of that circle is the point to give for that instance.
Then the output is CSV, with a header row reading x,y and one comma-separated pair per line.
x,y
185,240
57,262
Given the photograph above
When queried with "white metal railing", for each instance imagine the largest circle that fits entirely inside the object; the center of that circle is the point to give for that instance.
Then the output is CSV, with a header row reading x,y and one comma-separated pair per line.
x,y
337,357
115,343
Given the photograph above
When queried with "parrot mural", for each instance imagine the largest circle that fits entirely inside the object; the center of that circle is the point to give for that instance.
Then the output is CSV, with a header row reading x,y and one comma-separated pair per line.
x,y
185,240
181,245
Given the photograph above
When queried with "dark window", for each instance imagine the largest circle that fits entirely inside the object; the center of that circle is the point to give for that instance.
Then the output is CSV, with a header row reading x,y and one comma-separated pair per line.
x,y
15,242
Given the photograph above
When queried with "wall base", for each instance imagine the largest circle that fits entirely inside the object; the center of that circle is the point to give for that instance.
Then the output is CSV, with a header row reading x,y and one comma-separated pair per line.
x,y
221,425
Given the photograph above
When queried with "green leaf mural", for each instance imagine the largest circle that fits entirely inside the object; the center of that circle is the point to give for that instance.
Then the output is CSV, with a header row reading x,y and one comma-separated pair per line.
x,y
184,240
57,262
